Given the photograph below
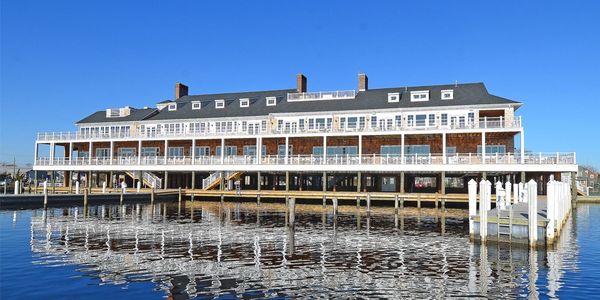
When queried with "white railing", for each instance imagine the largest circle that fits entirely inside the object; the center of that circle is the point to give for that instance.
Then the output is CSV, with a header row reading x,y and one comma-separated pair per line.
x,y
152,179
346,159
330,95
491,123
206,182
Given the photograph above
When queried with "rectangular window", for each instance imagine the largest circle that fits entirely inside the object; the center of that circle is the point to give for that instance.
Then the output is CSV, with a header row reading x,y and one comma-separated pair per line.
x,y
431,120
281,150
173,106
202,151
492,149
320,123
343,123
352,122
175,152
390,150
196,104
271,101
229,150
393,97
102,152
126,152
416,149
455,182
249,150
301,124
373,121
341,150
398,120
411,120
244,102
444,119
450,150
361,122
471,117
420,120
149,151
425,182
417,96
219,103
317,150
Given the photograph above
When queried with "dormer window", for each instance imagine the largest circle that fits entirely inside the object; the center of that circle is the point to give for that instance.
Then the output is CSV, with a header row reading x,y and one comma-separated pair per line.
x,y
244,102
417,96
196,105
271,101
219,103
393,97
172,106
447,94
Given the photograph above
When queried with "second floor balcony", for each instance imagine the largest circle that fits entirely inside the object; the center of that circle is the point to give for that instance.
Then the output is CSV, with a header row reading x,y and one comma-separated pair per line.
x,y
249,131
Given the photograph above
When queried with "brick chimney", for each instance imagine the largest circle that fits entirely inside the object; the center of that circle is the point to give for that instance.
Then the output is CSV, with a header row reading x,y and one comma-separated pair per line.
x,y
301,83
363,82
180,90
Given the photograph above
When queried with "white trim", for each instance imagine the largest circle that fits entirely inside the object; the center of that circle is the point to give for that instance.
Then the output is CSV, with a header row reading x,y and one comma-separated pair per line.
x,y
196,105
273,99
244,102
393,97
419,96
172,106
450,92
219,104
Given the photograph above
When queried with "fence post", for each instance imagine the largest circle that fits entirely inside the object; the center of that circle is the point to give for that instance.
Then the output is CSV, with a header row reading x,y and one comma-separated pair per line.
x,y
484,204
508,187
532,212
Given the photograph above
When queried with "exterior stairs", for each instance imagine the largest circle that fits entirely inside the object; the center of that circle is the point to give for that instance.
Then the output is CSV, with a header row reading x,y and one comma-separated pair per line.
x,y
148,178
214,179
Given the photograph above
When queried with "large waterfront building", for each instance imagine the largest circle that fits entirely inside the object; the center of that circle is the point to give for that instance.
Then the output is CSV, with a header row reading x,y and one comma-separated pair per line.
x,y
401,139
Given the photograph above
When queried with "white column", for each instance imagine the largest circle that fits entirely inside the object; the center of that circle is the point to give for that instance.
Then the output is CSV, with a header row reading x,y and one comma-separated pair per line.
x,y
522,146
112,150
444,147
90,154
222,150
402,148
508,188
51,153
35,153
70,152
140,153
324,149
551,209
483,146
287,149
360,148
258,150
166,150
193,151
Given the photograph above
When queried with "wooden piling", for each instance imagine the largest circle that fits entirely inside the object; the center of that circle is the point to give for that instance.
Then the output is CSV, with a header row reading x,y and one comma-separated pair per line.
x,y
396,204
368,203
335,205
258,199
357,202
419,202
436,200
152,196
324,201
179,196
85,196
121,197
292,211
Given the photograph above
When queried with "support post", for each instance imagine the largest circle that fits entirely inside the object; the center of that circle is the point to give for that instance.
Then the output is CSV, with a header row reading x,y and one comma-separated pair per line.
x,y
483,147
179,196
358,182
444,148
121,196
259,181
193,180
287,149
193,155
396,203
573,189
152,195
324,150
532,212
287,180
292,211
522,149
139,158
335,206
443,184
402,189
166,180
324,201
551,211
402,149
359,155
472,186
45,192
324,179
369,203
485,195
85,196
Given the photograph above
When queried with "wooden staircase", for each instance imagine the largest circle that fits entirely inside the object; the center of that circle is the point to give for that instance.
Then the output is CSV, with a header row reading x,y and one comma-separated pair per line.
x,y
214,179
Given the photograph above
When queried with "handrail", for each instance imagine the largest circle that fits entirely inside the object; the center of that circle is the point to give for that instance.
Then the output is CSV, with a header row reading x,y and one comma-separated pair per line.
x,y
538,158
483,123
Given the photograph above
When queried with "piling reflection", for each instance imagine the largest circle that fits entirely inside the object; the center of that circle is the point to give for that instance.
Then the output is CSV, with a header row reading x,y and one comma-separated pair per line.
x,y
209,249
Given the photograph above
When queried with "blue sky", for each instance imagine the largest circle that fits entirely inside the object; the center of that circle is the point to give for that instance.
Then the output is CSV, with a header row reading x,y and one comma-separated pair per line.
x,y
62,60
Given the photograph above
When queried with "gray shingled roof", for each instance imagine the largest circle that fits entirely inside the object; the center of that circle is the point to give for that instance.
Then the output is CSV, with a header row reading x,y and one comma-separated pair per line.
x,y
135,115
464,94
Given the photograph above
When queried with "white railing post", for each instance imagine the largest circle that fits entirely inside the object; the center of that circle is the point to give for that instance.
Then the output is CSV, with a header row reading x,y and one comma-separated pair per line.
x,y
551,210
508,187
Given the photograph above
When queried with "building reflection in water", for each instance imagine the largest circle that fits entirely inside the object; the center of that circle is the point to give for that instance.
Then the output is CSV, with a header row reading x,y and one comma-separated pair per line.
x,y
209,249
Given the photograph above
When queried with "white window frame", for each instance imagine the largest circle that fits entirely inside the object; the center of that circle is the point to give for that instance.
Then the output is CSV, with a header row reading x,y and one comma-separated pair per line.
x,y
273,99
450,97
391,97
219,104
172,106
196,105
419,96
244,102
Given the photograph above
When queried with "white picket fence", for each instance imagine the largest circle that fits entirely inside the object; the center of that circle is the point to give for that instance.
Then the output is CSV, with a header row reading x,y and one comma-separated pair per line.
x,y
558,205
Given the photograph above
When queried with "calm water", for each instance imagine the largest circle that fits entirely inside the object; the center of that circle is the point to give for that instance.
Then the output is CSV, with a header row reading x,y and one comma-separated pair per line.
x,y
206,250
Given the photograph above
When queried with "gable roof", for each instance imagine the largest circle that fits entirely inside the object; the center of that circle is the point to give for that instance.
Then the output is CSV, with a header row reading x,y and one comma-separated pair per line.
x,y
464,94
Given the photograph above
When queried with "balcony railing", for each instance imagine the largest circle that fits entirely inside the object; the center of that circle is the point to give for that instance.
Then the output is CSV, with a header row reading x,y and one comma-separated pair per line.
x,y
347,159
496,122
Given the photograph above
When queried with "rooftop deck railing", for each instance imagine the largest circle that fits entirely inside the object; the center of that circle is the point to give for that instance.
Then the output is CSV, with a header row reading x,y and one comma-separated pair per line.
x,y
329,95
345,159
496,122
